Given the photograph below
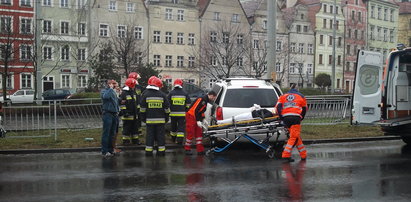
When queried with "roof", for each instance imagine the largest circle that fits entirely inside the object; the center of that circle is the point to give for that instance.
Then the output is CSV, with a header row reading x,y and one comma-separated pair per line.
x,y
405,7
313,7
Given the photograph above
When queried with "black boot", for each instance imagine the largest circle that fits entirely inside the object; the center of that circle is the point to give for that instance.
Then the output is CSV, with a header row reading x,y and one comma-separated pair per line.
x,y
149,153
161,153
188,152
287,160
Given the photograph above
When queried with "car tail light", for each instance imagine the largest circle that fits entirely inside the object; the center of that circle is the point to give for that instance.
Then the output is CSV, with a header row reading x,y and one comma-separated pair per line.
x,y
219,113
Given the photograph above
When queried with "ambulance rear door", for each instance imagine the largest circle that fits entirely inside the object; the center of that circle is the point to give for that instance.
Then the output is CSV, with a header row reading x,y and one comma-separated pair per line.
x,y
367,88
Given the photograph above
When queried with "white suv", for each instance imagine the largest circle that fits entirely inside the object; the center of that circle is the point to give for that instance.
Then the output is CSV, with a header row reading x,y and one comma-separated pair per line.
x,y
237,95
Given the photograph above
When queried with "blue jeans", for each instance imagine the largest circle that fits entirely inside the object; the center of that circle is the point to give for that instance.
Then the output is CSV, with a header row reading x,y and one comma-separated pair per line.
x,y
110,122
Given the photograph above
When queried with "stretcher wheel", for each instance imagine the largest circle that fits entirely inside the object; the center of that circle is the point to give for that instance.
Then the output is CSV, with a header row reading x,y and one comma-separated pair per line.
x,y
278,148
271,153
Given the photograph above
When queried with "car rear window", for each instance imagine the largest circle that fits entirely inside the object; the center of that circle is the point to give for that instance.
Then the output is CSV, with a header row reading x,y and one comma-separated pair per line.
x,y
243,98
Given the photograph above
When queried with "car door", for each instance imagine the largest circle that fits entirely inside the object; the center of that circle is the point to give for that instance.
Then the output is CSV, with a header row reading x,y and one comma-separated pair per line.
x,y
17,97
368,88
29,97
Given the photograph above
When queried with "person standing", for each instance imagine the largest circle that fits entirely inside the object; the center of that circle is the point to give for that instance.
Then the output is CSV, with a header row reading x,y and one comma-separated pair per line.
x,y
194,117
129,112
291,108
139,91
110,118
154,111
118,93
179,103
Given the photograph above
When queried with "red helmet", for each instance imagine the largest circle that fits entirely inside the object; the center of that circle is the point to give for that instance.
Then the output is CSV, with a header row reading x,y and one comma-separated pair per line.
x,y
134,75
155,81
178,82
130,82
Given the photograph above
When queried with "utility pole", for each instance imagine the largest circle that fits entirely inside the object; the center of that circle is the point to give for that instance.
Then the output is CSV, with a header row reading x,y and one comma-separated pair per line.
x,y
271,37
333,56
39,79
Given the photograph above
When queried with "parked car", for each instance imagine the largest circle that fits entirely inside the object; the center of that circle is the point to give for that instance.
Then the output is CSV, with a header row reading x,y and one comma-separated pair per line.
x,y
237,95
20,96
56,94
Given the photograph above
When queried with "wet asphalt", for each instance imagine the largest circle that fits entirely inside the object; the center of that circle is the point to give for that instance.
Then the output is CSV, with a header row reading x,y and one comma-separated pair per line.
x,y
360,171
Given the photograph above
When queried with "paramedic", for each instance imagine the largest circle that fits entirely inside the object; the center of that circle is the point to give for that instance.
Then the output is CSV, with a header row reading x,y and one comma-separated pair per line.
x,y
154,112
129,114
139,90
291,108
179,103
194,117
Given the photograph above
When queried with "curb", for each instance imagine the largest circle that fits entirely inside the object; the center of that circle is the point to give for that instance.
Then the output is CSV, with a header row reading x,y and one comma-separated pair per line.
x,y
176,146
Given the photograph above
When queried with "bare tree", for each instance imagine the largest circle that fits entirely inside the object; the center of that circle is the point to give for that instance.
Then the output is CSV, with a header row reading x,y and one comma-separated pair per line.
x,y
224,51
258,56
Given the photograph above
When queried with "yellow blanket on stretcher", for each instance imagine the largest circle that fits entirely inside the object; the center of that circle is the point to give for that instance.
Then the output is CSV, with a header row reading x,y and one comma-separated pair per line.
x,y
250,122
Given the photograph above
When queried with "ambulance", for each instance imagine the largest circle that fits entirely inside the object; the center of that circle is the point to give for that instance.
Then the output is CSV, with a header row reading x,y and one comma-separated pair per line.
x,y
382,93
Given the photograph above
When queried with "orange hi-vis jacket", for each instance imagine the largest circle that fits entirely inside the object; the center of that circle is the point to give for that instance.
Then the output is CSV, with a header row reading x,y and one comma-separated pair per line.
x,y
198,108
292,103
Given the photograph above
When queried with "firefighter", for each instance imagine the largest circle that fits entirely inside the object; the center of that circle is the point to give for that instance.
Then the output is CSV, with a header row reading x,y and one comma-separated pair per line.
x,y
194,117
154,111
139,90
179,103
291,108
129,112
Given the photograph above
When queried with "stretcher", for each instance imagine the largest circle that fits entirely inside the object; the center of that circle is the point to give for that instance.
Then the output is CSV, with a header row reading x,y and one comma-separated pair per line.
x,y
263,132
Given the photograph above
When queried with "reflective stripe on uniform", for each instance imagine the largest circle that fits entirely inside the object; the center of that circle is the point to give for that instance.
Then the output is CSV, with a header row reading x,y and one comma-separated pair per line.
x,y
287,150
155,120
167,110
126,138
161,148
154,99
143,110
177,113
149,148
180,134
173,133
128,97
291,114
127,118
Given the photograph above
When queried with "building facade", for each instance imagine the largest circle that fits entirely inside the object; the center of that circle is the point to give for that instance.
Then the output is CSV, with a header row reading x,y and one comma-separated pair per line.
x,y
17,44
404,23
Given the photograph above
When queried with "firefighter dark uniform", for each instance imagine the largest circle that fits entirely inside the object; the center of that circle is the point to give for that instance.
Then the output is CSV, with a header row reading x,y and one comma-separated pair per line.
x,y
154,111
129,111
179,103
139,91
292,107
194,114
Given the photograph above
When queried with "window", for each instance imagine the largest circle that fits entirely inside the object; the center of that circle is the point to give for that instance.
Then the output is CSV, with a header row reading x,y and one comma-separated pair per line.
x,y
256,44
180,38
64,27
355,34
325,8
391,35
213,61
347,67
65,53
168,37
372,12
191,61
321,39
385,35
301,48
82,29
240,39
121,31
65,81
310,48
174,1
191,39
392,15
9,81
378,33
309,68
81,54
130,7
156,37
353,15
302,16
138,32
339,60
362,35
26,80
169,60
112,6
331,24
305,28
348,49
25,3
180,61
169,14
339,41
81,4
278,67
226,38
372,32
331,9
180,15
278,46
104,30
5,2
25,26
5,24
213,36
320,59
337,24
385,14
82,81
64,3
359,17
235,18
264,24
292,68
239,61
349,33
217,16
156,61
293,47
46,2
356,2
47,53
330,59
25,52
324,23
298,28
379,13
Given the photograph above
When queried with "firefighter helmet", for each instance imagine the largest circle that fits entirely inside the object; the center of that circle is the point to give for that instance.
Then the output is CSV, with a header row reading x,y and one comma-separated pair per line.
x,y
155,81
130,82
178,82
134,75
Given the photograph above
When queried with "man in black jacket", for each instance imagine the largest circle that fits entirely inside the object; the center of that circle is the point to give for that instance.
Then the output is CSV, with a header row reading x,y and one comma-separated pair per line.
x,y
179,103
129,111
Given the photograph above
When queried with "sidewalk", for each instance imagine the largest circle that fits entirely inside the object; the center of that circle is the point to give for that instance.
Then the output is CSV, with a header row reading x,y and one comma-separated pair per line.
x,y
175,146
